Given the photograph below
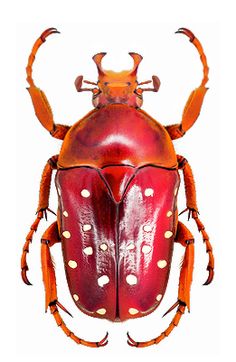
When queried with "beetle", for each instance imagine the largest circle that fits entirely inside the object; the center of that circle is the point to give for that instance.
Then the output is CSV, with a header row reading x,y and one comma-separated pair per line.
x,y
117,179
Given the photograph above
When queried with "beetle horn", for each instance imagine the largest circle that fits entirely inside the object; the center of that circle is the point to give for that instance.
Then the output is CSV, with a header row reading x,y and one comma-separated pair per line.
x,y
97,58
137,60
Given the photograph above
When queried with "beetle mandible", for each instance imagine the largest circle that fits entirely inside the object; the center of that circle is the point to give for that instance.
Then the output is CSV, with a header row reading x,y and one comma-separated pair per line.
x,y
117,181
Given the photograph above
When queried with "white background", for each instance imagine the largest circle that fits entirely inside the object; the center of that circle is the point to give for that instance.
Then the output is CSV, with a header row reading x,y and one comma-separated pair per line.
x,y
147,28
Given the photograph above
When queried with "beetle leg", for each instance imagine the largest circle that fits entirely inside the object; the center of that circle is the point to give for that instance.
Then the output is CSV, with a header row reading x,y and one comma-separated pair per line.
x,y
194,103
209,250
41,212
184,237
50,237
190,191
25,251
174,323
41,105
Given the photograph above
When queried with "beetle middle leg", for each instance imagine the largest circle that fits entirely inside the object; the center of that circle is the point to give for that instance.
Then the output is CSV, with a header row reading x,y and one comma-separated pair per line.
x,y
42,209
191,204
49,238
185,238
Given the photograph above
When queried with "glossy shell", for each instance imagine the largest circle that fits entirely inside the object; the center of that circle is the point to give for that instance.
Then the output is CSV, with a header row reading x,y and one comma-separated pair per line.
x,y
117,134
117,190
117,255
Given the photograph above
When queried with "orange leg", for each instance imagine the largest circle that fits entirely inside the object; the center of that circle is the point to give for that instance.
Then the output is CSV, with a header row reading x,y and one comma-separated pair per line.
x,y
194,103
185,238
41,212
50,237
29,237
190,191
41,105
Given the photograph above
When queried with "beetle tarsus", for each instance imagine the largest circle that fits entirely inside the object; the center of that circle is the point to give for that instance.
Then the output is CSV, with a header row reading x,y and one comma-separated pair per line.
x,y
209,250
131,342
29,237
103,341
210,276
35,48
24,276
186,32
48,32
174,323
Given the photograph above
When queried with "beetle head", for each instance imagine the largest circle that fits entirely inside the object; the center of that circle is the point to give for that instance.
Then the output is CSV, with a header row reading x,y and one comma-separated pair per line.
x,y
117,87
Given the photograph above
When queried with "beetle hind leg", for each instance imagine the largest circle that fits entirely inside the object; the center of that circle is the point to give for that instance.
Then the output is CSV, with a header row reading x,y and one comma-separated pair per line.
x,y
185,238
50,237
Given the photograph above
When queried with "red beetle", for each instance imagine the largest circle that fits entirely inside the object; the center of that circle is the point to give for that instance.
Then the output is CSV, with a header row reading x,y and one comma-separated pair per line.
x,y
117,181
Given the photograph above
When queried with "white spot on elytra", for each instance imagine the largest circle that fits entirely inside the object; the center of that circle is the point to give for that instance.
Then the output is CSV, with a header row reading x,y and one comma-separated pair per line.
x,y
101,311
104,279
66,234
149,192
76,297
133,311
168,234
72,264
65,213
85,193
161,264
87,227
169,213
158,297
130,246
146,249
147,228
131,279
103,247
88,250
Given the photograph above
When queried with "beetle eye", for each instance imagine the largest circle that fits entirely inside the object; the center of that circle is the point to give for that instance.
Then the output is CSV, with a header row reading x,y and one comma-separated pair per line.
x,y
139,92
128,83
96,92
106,83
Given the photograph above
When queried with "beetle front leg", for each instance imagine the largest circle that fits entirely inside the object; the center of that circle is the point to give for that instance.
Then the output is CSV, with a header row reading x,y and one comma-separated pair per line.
x,y
49,238
42,209
41,105
185,238
194,103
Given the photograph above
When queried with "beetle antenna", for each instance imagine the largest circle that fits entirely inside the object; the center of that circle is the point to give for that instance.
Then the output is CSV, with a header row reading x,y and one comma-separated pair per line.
x,y
78,84
88,82
146,82
156,84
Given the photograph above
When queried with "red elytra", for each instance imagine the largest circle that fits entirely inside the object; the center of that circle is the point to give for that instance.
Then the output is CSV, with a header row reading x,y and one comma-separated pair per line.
x,y
138,245
117,181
